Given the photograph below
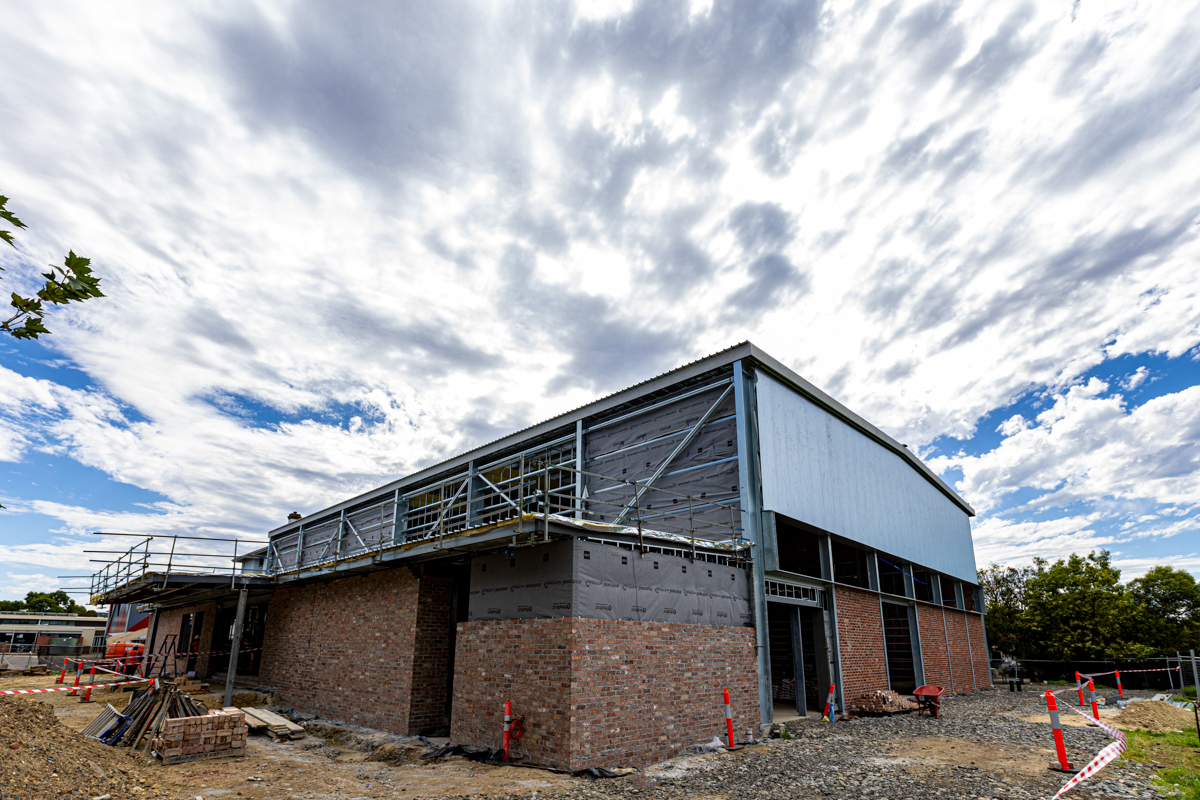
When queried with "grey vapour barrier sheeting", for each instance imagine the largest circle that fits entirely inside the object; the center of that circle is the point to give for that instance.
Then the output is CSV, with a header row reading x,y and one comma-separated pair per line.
x,y
633,450
595,581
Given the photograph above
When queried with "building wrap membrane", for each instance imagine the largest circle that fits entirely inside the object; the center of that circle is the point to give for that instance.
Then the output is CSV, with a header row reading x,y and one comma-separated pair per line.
x,y
578,578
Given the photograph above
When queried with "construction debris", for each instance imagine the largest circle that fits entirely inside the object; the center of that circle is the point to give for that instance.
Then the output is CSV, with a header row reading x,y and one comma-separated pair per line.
x,y
880,701
143,718
261,720
217,734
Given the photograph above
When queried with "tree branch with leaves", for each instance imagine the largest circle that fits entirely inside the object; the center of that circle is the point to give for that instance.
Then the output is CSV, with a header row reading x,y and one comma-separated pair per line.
x,y
73,282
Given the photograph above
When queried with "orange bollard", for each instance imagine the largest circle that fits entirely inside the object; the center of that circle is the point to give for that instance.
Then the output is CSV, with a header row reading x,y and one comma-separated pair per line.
x,y
78,675
1079,686
1059,745
829,703
1092,697
728,720
507,727
1120,691
63,677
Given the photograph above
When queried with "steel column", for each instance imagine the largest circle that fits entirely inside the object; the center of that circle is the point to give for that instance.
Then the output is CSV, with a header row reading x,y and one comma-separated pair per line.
x,y
748,479
236,646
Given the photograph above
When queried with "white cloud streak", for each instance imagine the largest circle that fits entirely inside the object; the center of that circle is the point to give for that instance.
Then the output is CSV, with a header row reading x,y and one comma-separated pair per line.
x,y
343,243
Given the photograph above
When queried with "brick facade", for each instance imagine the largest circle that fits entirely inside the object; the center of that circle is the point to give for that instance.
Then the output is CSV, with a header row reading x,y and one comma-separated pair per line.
x,y
601,692
933,647
965,679
370,649
979,654
860,641
170,623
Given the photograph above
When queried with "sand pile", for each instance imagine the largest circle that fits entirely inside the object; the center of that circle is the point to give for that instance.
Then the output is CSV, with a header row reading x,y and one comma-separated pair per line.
x,y
1157,716
51,760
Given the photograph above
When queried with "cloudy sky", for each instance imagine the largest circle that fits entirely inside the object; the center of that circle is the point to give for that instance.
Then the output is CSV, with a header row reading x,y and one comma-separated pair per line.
x,y
342,241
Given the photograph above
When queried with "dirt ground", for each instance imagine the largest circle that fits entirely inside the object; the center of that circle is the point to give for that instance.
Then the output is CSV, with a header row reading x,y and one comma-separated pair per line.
x,y
317,767
343,762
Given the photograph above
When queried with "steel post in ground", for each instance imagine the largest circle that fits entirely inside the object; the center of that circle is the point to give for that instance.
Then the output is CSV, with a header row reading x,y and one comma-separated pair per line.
x,y
1060,747
231,671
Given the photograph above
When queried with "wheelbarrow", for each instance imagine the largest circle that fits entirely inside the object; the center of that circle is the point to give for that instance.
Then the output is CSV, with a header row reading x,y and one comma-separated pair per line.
x,y
929,698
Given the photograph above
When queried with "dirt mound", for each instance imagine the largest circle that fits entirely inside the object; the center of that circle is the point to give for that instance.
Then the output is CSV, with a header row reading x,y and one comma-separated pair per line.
x,y
403,753
1155,715
50,758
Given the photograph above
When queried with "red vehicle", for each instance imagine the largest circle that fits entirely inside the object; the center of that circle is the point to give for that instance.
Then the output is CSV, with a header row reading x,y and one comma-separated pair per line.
x,y
125,650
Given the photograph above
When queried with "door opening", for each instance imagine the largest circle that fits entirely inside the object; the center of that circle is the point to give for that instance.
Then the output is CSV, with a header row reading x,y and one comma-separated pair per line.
x,y
897,639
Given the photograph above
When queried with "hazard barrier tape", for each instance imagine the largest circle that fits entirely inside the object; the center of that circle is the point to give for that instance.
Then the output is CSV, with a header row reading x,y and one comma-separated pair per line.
x,y
1127,671
177,655
68,688
1104,757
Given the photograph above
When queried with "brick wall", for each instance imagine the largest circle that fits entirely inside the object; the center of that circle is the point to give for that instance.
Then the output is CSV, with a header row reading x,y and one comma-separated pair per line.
x,y
365,649
526,661
171,622
933,647
860,641
602,692
983,671
431,654
960,651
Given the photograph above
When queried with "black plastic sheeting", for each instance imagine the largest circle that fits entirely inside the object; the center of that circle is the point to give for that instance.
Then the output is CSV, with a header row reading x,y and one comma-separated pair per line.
x,y
595,581
707,469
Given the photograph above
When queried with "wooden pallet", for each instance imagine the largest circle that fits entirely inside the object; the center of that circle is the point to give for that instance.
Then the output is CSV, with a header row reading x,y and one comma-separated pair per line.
x,y
259,719
232,752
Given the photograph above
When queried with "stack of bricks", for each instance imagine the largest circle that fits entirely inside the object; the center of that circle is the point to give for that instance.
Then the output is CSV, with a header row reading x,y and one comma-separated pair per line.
x,y
218,733
880,701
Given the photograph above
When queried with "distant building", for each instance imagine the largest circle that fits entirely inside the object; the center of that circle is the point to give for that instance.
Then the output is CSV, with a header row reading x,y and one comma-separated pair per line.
x,y
27,635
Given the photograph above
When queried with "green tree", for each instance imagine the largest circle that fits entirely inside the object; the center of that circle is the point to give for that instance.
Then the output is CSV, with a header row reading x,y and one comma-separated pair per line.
x,y
49,602
1167,609
11,605
71,283
1004,597
1078,609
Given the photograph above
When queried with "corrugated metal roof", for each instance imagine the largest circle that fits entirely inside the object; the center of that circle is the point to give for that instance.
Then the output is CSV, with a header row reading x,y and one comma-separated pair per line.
x,y
743,350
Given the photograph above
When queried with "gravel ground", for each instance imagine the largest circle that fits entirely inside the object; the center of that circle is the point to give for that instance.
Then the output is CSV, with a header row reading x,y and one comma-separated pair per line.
x,y
979,748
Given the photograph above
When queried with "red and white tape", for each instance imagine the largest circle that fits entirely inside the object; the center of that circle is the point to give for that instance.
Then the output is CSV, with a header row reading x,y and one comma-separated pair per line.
x,y
69,688
179,656
1104,757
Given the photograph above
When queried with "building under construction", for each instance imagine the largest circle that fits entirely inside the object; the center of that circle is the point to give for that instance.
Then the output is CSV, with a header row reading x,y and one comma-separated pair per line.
x,y
726,525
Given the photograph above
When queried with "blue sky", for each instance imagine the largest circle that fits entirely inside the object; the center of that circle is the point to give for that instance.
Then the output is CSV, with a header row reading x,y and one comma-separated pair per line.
x,y
342,242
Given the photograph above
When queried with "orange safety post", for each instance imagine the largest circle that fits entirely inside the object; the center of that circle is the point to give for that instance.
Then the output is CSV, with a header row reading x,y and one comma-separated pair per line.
x,y
87,695
507,727
75,686
1092,697
1120,691
829,703
63,677
728,720
1079,686
1059,745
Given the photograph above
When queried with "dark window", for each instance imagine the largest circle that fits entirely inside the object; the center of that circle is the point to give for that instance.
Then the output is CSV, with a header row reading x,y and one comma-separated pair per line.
x,y
969,597
624,560
799,551
587,555
656,565
710,573
891,579
685,569
923,585
850,566
948,596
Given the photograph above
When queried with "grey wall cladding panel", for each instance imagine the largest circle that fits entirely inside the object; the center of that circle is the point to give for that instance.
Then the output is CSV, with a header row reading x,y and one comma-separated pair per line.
x,y
595,581
635,448
533,583
819,470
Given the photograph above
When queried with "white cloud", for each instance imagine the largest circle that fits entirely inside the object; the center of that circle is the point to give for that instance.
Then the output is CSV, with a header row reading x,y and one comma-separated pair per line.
x,y
341,243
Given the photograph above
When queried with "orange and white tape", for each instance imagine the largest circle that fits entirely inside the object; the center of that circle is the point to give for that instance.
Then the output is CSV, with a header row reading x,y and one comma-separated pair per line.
x,y
1104,757
69,688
